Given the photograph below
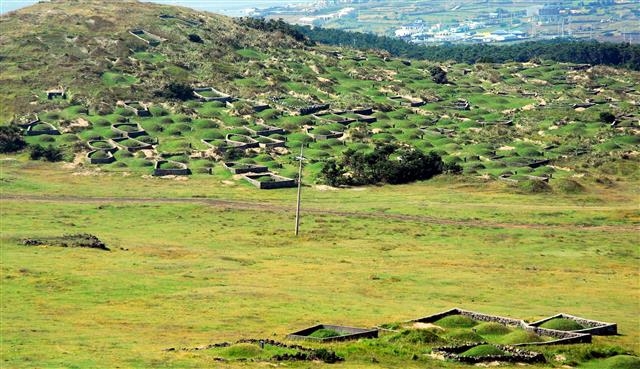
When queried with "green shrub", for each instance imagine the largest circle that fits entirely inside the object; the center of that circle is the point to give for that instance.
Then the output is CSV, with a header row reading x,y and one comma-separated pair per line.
x,y
49,153
70,138
205,124
11,139
51,116
534,186
570,186
101,122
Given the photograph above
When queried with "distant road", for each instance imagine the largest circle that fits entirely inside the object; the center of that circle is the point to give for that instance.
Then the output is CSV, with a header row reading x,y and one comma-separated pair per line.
x,y
271,207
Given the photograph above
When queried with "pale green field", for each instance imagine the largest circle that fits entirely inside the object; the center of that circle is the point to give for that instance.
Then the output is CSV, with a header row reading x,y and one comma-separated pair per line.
x,y
186,271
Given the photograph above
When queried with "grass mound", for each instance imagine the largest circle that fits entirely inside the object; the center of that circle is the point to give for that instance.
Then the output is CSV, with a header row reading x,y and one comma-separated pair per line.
x,y
621,362
242,350
614,362
483,350
456,321
416,336
520,336
562,324
570,186
492,329
464,336
323,332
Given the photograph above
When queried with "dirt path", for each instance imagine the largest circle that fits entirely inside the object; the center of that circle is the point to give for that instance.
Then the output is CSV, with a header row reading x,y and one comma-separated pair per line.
x,y
270,207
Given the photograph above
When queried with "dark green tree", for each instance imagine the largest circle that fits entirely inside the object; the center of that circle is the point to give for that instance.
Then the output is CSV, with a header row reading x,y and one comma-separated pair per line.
x,y
11,139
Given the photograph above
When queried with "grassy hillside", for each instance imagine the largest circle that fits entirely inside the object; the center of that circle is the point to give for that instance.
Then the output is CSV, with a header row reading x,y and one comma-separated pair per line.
x,y
513,121
208,258
86,46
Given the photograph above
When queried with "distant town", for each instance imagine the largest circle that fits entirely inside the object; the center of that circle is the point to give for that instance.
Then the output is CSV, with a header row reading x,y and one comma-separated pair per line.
x,y
470,21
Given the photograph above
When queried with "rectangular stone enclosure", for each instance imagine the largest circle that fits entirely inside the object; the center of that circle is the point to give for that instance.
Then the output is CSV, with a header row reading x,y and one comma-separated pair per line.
x,y
347,333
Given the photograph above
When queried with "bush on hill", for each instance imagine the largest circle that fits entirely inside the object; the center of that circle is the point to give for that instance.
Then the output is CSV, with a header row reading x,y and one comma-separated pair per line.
x,y
11,139
388,163
49,153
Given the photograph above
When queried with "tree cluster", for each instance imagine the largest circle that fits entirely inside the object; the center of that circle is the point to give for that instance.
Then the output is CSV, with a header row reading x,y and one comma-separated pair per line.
x,y
176,90
438,75
387,163
565,50
11,139
48,153
273,25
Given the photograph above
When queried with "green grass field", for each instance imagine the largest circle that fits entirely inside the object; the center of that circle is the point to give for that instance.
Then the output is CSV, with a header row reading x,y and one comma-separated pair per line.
x,y
195,262
208,258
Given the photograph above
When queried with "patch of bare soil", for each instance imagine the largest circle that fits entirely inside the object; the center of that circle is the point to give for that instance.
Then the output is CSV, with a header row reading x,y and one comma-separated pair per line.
x,y
419,325
488,365
75,125
78,161
325,188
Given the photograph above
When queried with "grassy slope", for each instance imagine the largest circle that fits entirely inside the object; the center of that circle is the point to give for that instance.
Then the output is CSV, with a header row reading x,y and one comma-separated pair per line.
x,y
193,273
86,47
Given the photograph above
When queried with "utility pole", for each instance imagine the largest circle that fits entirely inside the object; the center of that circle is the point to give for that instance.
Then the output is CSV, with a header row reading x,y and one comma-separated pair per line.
x,y
299,191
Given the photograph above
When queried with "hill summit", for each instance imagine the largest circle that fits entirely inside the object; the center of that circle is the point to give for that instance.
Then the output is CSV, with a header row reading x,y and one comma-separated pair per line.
x,y
102,51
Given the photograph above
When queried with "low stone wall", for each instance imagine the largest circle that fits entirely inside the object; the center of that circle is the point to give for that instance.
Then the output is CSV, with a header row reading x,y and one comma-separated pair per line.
x,y
267,131
139,132
403,101
312,109
245,168
562,337
333,134
515,355
142,146
363,111
260,107
111,149
347,333
594,327
53,131
435,317
158,172
278,181
143,111
366,118
492,318
272,144
108,160
241,145
153,39
222,97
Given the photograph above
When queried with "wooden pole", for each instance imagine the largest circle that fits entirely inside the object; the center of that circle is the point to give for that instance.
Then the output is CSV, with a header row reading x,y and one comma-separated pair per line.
x,y
299,192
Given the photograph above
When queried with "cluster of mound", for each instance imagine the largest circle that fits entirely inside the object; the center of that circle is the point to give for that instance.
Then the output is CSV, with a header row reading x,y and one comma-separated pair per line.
x,y
516,122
